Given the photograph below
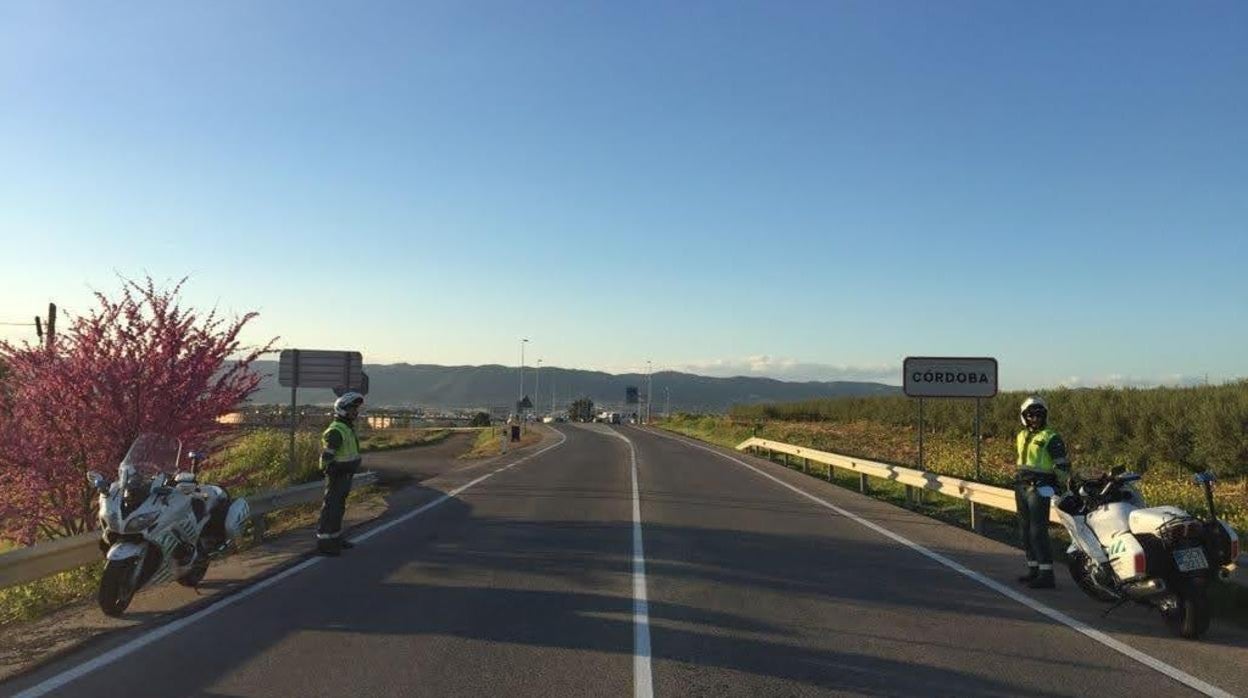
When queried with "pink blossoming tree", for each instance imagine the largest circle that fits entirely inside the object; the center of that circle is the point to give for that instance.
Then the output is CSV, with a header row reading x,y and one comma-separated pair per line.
x,y
136,363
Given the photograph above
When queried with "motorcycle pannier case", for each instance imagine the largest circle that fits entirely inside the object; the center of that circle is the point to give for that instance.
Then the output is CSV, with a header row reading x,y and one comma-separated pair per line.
x,y
236,518
1149,521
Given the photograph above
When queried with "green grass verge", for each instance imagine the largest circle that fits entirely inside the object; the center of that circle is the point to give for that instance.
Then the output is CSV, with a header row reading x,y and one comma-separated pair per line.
x,y
949,454
260,460
402,438
487,442
34,599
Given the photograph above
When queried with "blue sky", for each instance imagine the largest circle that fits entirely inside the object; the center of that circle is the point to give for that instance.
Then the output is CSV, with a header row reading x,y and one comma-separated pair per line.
x,y
807,190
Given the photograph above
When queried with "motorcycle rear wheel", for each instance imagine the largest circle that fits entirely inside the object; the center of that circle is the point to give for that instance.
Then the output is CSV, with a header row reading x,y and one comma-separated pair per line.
x,y
1190,617
117,587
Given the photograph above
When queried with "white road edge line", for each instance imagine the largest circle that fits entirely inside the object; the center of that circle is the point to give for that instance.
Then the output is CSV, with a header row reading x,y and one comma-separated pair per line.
x,y
643,678
1054,614
65,677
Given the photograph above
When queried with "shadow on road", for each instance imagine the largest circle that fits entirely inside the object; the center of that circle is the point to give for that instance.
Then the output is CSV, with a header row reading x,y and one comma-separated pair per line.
x,y
454,579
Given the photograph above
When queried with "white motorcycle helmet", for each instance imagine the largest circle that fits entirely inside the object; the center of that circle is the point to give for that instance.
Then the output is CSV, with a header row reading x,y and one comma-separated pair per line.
x,y
348,399
1035,401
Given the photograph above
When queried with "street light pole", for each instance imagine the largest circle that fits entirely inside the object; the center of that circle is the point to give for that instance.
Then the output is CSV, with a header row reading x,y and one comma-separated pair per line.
x,y
537,388
649,389
521,398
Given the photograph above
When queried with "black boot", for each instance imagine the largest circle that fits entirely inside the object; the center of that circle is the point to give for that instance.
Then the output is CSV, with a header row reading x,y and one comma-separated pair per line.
x,y
346,544
1044,580
331,547
1032,572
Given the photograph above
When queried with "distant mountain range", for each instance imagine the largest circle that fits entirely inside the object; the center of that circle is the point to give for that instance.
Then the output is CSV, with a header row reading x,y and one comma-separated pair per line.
x,y
495,387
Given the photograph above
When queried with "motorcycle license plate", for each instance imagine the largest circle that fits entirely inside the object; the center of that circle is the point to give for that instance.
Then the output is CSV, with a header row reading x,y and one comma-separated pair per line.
x,y
1190,559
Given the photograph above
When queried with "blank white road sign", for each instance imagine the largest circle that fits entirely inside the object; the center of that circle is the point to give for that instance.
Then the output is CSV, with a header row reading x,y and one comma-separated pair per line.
x,y
949,376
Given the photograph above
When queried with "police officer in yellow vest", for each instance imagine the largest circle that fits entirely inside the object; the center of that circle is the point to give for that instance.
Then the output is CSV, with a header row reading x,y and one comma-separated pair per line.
x,y
340,460
1041,462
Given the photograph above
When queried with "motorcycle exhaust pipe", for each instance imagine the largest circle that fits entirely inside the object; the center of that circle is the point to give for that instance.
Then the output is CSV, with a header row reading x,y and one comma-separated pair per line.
x,y
1148,587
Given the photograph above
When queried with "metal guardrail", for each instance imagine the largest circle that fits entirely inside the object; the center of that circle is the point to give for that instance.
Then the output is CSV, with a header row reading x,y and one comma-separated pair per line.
x,y
987,495
43,559
979,493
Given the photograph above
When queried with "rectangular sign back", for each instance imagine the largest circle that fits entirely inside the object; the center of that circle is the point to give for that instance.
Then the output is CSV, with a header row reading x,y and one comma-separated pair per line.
x,y
312,368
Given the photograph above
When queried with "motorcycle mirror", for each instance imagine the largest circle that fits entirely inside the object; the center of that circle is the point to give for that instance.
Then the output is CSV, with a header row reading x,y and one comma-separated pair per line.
x,y
1202,478
97,481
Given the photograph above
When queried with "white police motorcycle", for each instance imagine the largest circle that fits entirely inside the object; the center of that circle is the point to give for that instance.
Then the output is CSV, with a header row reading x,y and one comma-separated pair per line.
x,y
152,530
1123,550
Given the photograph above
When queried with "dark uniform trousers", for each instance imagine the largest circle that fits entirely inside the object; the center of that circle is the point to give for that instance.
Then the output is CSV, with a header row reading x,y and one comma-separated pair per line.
x,y
1033,518
337,488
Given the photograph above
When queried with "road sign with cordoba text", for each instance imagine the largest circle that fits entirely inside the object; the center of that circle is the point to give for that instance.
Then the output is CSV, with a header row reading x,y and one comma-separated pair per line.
x,y
949,376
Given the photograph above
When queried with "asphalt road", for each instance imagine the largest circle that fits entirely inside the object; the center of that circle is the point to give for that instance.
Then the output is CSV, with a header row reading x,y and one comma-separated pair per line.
x,y
422,462
525,584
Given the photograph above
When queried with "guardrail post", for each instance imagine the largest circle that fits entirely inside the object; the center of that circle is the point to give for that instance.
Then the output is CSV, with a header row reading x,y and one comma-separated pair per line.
x,y
910,499
830,469
786,460
805,465
862,483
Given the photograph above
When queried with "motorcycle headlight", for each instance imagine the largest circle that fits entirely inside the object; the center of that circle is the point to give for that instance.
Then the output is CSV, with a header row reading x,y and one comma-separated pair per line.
x,y
138,524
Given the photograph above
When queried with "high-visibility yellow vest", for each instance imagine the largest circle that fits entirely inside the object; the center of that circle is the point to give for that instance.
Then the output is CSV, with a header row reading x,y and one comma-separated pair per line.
x,y
348,453
1033,450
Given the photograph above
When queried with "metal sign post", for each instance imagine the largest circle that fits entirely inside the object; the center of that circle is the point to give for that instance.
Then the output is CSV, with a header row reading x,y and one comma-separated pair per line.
x,y
975,522
920,433
294,405
951,377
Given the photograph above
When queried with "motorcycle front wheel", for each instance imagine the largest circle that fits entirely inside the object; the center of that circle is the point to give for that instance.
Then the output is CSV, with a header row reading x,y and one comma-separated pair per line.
x,y
1081,570
117,586
1190,616
195,575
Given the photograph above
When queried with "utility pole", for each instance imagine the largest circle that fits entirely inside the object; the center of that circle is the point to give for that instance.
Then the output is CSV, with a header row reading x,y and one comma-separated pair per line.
x,y
51,326
537,388
649,389
667,410
48,339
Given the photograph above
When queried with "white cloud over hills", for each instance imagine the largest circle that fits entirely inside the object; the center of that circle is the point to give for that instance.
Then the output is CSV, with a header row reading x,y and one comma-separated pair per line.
x,y
766,366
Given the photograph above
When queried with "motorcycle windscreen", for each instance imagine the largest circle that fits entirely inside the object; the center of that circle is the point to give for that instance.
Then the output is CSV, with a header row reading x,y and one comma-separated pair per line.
x,y
151,453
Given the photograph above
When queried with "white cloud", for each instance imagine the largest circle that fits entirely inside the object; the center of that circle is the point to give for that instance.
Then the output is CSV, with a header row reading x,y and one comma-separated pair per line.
x,y
766,366
1118,380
